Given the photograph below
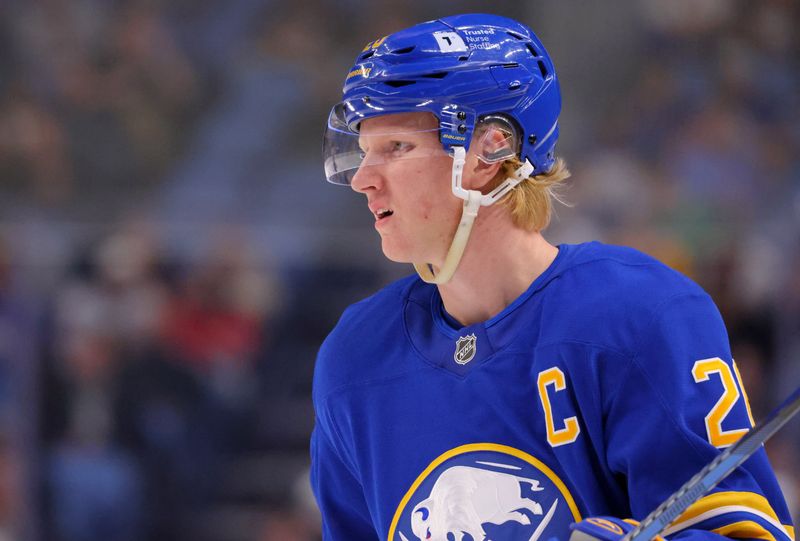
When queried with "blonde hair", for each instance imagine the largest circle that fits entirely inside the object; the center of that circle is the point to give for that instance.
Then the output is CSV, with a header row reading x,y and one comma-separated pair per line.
x,y
531,202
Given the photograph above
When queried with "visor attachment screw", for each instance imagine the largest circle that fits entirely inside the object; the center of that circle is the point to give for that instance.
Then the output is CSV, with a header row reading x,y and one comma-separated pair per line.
x,y
462,115
532,139
365,99
462,128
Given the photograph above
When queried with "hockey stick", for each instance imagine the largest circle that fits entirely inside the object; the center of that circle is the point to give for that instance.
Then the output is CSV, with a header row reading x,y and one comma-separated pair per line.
x,y
716,470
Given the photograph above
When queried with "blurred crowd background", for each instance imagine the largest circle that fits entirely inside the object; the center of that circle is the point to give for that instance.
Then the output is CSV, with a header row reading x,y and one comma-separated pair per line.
x,y
171,256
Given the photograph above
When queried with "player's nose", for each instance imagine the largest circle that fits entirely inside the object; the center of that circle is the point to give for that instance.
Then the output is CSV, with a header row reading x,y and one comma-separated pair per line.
x,y
367,178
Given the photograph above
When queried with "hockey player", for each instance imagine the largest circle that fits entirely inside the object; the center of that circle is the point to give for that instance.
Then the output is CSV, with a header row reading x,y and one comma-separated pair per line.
x,y
513,387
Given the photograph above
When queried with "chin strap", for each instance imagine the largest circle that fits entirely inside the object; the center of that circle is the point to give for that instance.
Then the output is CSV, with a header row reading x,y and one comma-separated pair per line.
x,y
473,201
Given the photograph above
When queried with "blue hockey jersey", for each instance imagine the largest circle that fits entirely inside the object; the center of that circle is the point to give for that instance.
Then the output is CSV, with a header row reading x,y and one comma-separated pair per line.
x,y
599,391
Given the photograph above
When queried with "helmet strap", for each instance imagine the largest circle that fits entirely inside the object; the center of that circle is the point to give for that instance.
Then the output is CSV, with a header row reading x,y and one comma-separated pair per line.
x,y
473,201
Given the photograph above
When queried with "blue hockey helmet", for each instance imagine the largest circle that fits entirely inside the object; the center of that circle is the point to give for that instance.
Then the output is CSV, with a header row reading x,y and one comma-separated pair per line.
x,y
463,69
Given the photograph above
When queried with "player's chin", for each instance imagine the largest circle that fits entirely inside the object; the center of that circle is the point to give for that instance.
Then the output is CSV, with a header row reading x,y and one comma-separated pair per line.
x,y
395,253
394,249
398,249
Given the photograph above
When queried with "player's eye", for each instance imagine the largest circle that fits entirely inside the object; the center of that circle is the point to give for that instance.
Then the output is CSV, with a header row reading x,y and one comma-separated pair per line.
x,y
400,147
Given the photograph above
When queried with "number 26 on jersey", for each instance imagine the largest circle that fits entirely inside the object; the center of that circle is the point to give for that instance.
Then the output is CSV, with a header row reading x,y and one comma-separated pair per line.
x,y
731,382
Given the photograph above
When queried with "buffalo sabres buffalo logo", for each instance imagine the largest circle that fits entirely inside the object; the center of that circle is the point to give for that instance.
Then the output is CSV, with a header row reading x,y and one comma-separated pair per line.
x,y
465,349
485,492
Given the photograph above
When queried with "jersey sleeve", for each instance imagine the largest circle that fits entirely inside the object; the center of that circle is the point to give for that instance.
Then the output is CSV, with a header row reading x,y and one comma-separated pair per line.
x,y
678,403
335,478
339,494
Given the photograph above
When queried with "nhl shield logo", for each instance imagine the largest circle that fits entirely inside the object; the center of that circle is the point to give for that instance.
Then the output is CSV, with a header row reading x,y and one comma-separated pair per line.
x,y
465,349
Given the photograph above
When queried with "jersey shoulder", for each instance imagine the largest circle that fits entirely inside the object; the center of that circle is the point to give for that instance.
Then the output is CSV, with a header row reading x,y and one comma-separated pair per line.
x,y
618,274
354,350
622,271
609,294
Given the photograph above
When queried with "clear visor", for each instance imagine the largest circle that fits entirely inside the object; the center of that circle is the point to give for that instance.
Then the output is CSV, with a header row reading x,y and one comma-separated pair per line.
x,y
402,136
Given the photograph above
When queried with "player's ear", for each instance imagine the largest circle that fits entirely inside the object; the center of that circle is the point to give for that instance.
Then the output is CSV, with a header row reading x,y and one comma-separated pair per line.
x,y
485,157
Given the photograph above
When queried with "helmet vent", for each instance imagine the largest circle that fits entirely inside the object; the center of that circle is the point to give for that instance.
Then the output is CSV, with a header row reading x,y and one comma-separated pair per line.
x,y
515,35
404,50
533,50
367,55
437,75
398,84
543,69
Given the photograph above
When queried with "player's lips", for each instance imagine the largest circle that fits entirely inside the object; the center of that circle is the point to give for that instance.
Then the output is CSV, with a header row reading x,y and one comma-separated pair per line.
x,y
382,218
380,212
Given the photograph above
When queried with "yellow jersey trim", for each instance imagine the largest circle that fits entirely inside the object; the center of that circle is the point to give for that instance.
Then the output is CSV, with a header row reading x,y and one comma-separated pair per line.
x,y
472,447
723,502
745,528
719,499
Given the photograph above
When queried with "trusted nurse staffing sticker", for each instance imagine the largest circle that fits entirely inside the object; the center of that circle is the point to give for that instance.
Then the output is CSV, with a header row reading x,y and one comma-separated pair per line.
x,y
485,492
